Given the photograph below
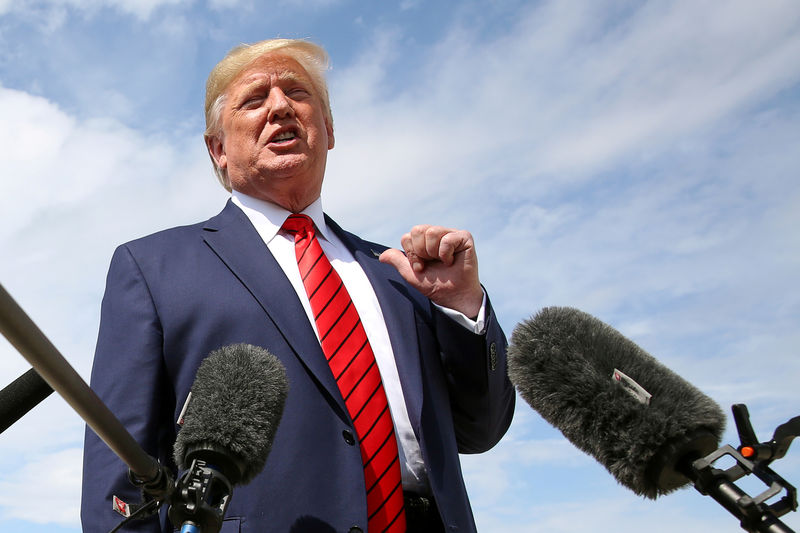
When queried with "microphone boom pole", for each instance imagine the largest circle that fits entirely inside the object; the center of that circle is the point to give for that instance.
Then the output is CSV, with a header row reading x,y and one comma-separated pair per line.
x,y
34,346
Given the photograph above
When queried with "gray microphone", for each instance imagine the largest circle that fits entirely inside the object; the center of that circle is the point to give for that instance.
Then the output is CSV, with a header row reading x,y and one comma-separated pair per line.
x,y
236,404
611,399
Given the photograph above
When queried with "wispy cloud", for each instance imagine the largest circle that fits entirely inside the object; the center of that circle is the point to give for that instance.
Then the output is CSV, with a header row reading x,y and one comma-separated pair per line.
x,y
110,182
562,95
629,160
51,499
141,9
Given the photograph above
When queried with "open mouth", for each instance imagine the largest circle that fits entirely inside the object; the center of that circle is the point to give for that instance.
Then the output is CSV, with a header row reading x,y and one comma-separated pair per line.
x,y
283,137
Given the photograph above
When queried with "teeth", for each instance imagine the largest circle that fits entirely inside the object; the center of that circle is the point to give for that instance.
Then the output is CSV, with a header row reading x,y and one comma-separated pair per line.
x,y
283,136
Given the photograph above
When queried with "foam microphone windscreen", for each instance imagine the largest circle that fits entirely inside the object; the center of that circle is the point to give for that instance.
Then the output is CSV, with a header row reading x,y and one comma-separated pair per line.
x,y
612,400
236,404
20,396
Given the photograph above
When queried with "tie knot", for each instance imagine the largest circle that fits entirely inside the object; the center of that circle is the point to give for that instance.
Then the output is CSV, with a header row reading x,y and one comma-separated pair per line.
x,y
298,224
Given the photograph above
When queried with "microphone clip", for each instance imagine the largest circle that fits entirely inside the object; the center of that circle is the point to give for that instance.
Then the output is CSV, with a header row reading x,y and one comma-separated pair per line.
x,y
155,492
159,488
201,498
763,452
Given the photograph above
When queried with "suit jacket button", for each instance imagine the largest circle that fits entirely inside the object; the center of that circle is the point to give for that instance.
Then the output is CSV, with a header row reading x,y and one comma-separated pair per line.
x,y
348,438
356,529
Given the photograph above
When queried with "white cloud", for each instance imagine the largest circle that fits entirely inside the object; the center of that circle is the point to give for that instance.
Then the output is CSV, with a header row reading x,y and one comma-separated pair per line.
x,y
52,498
607,513
141,9
74,190
616,147
409,4
293,5
559,94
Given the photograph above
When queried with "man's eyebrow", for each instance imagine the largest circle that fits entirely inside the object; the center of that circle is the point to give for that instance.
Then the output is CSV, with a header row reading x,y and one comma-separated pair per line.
x,y
288,75
291,76
262,82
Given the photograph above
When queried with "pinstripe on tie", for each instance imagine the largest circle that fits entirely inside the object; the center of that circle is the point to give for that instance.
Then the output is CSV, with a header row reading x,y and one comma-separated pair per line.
x,y
345,345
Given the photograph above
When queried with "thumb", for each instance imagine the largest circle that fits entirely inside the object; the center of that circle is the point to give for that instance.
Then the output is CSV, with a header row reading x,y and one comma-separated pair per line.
x,y
399,261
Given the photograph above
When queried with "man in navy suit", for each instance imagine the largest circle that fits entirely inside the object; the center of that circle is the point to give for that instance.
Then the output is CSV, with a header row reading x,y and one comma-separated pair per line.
x,y
175,296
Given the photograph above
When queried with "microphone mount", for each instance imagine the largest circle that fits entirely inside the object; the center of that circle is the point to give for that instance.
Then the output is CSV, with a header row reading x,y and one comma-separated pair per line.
x,y
202,496
197,502
751,457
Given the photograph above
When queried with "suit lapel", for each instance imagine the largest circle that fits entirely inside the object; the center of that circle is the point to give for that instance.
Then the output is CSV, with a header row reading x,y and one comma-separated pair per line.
x,y
396,301
236,242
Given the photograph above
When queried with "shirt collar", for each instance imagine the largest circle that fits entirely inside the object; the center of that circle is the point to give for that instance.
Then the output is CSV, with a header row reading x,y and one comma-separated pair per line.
x,y
268,217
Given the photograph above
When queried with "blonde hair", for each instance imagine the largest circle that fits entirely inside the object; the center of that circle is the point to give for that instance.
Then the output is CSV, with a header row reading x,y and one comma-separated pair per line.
x,y
310,56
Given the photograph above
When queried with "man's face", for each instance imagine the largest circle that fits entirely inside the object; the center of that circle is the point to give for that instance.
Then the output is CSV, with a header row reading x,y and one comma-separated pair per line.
x,y
275,138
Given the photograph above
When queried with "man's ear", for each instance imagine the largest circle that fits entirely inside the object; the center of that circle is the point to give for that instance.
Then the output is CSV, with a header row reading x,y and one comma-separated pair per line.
x,y
216,149
329,130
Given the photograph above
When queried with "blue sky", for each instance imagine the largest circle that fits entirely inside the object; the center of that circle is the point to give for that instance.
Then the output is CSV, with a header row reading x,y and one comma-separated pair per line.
x,y
637,160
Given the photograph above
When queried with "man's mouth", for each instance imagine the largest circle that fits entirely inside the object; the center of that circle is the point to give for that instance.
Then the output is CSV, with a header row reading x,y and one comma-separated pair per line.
x,y
283,137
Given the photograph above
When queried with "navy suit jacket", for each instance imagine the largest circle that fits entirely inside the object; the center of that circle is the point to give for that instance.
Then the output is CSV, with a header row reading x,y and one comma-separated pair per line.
x,y
175,296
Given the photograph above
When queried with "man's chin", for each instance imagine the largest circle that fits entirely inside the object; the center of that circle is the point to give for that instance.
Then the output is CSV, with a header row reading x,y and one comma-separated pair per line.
x,y
284,166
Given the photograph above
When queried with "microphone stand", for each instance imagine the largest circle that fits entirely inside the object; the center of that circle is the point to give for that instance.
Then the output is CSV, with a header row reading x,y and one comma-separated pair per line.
x,y
34,346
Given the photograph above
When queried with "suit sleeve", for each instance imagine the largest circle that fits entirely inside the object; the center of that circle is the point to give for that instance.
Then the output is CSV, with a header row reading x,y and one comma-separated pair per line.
x,y
129,377
481,395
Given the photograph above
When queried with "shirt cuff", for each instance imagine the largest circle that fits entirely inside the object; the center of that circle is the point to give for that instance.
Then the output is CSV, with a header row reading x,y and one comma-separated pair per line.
x,y
477,326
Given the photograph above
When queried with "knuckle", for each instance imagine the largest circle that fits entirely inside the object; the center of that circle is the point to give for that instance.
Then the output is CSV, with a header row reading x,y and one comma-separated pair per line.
x,y
419,229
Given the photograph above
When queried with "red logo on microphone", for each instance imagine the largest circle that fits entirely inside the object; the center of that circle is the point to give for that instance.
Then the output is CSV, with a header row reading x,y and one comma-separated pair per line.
x,y
121,507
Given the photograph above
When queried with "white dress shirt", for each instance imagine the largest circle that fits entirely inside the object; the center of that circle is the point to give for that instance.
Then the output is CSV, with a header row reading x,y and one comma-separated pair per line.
x,y
267,218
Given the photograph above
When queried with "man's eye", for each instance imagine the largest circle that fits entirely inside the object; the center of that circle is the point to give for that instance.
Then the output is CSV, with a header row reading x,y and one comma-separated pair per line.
x,y
253,101
298,92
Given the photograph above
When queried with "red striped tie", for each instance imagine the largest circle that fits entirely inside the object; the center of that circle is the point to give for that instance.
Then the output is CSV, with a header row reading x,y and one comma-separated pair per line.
x,y
352,362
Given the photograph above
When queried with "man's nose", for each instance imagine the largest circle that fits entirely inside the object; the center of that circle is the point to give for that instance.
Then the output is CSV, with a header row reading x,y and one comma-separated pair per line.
x,y
279,105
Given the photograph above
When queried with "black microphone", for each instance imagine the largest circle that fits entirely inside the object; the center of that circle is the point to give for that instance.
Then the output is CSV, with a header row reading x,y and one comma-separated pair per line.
x,y
20,396
612,400
236,404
